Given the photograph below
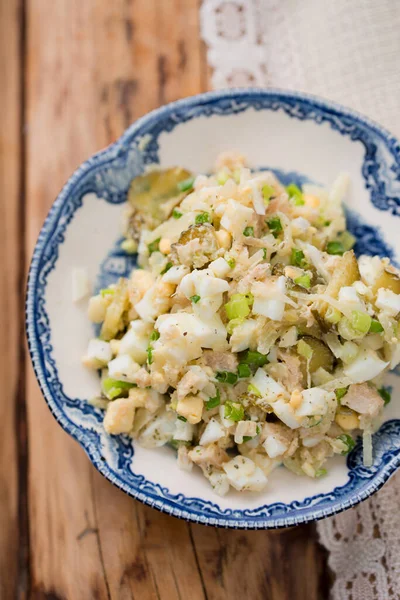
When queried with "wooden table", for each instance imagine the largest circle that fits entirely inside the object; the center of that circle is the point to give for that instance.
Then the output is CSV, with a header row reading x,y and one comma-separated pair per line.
x,y
73,75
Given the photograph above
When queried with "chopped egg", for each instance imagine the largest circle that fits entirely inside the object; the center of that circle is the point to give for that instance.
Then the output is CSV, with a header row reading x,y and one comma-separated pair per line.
x,y
243,474
98,354
136,341
123,368
388,301
269,298
235,217
366,366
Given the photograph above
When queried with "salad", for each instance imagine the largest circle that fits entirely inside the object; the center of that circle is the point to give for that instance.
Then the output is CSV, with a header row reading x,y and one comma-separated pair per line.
x,y
248,335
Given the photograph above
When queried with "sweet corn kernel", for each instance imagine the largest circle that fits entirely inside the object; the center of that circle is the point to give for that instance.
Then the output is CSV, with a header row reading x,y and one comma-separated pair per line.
x,y
224,238
347,421
191,407
311,201
296,399
165,246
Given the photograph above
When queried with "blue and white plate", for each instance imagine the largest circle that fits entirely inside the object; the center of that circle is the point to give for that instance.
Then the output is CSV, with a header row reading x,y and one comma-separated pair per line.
x,y
296,135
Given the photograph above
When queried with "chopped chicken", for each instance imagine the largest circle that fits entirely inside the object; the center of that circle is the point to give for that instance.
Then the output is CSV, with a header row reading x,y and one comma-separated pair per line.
x,y
364,399
293,376
221,361
208,455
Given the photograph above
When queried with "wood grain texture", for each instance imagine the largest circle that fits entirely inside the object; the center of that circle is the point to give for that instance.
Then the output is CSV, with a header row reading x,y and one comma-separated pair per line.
x,y
11,241
92,67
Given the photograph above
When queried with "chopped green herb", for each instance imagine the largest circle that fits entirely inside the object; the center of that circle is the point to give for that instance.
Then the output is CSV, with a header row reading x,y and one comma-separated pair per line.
x,y
295,194
335,248
195,299
248,231
244,370
149,355
264,253
112,388
268,192
176,213
202,218
375,327
348,440
186,184
347,240
178,443
226,377
254,390
213,402
166,268
304,349
360,321
340,392
154,336
233,411
107,292
231,378
304,281
314,421
297,258
129,246
275,226
332,315
154,246
252,357
320,472
231,262
222,177
184,419
237,307
247,438
385,394
234,323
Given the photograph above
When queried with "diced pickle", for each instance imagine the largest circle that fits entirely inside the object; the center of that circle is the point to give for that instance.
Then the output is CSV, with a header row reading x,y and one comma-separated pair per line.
x,y
151,199
278,269
387,280
204,232
313,331
345,273
208,245
321,356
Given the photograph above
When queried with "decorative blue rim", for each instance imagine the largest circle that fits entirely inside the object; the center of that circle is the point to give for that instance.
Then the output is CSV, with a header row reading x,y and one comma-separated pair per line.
x,y
382,182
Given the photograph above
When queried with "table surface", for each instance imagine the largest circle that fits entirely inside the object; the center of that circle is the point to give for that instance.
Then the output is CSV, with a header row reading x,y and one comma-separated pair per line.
x,y
73,75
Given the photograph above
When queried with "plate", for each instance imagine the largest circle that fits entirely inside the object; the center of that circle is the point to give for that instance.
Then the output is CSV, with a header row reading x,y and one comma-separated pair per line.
x,y
299,137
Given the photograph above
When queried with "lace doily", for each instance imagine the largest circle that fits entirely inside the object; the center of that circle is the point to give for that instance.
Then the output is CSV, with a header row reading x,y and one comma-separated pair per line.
x,y
346,51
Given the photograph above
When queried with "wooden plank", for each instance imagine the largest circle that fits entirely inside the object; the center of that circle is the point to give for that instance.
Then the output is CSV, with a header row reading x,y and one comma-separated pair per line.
x,y
277,565
11,241
88,78
93,67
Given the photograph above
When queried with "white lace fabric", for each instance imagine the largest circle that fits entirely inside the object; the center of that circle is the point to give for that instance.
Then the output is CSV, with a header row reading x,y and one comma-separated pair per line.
x,y
348,52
